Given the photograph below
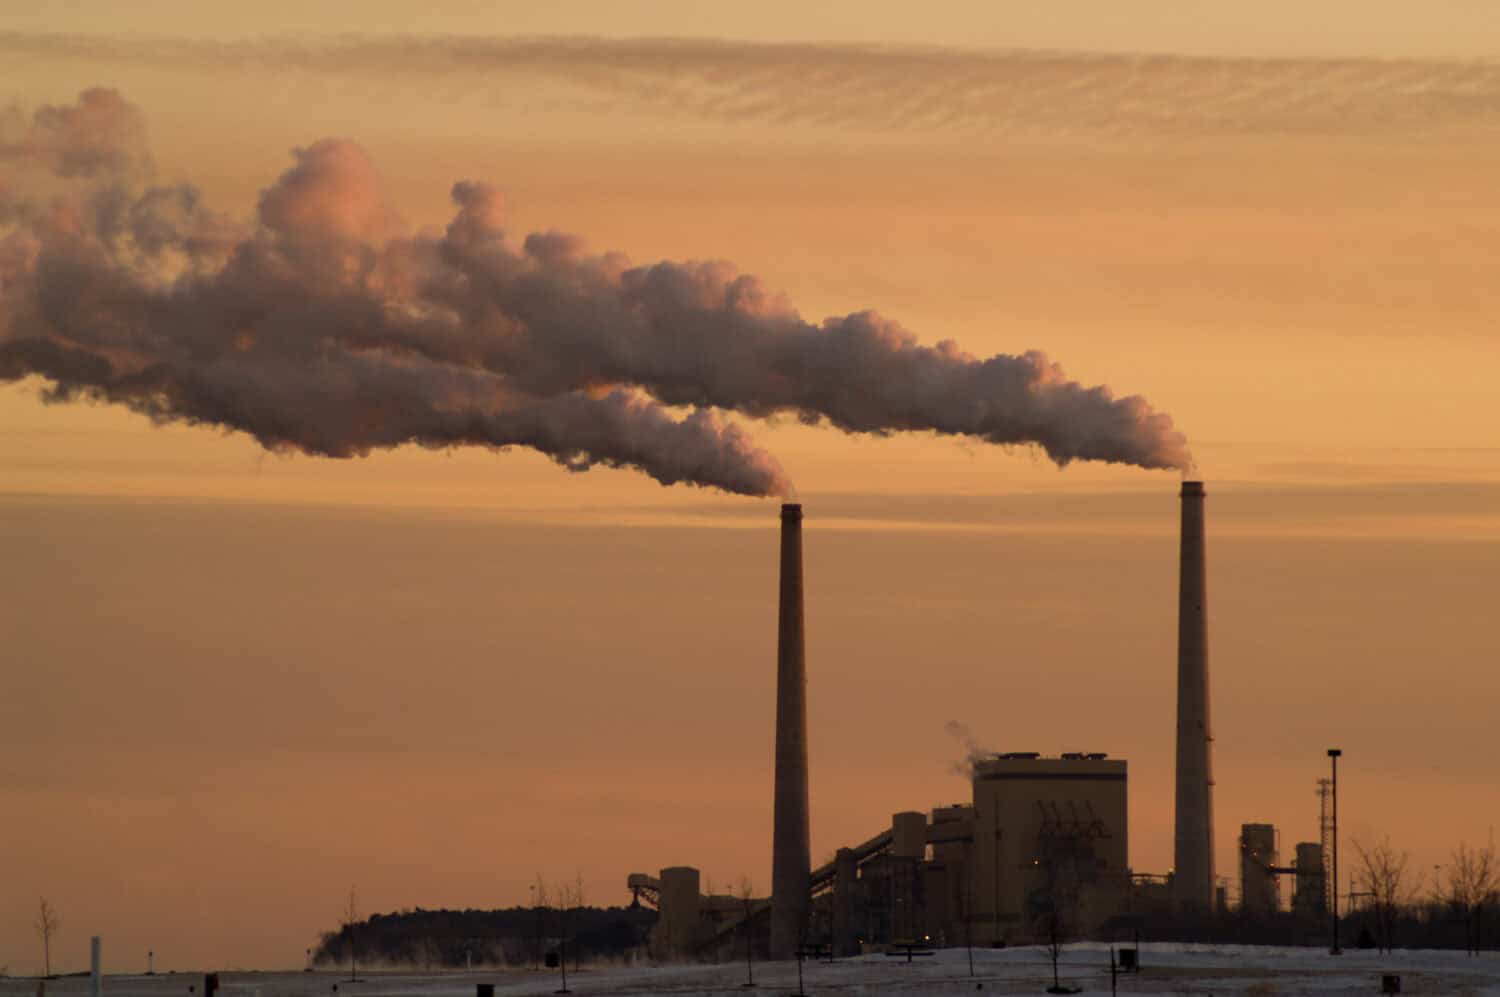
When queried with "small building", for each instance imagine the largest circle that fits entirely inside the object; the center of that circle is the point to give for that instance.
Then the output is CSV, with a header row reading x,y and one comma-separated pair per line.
x,y
1259,891
1309,891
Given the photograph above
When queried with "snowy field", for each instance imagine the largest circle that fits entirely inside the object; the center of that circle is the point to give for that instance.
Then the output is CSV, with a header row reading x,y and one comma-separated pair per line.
x,y
1167,970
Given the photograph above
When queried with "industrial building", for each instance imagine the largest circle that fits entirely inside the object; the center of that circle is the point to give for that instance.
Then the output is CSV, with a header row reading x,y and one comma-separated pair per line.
x,y
1260,884
1041,847
1042,839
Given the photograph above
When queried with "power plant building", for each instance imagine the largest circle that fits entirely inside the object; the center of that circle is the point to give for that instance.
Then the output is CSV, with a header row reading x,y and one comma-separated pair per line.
x,y
1042,845
1043,839
1050,841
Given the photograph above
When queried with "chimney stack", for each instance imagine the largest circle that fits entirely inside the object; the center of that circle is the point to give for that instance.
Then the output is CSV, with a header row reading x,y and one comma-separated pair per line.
x,y
791,850
1194,852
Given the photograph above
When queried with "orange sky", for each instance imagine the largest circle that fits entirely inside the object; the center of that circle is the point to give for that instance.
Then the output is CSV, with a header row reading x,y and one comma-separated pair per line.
x,y
241,682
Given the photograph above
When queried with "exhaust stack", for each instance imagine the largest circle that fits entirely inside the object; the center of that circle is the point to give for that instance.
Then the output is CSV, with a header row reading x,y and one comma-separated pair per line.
x,y
791,850
1194,852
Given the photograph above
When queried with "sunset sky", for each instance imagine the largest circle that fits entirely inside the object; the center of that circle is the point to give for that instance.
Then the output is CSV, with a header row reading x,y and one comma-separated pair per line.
x,y
239,682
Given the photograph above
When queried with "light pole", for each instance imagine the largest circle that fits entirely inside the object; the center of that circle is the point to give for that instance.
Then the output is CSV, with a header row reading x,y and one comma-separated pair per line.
x,y
1333,757
536,923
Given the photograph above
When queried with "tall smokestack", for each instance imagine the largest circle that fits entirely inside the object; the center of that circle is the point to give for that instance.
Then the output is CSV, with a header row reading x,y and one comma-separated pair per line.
x,y
791,851
1194,873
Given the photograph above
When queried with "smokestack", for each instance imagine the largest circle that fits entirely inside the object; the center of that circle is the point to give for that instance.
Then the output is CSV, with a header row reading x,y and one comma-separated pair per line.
x,y
791,851
1194,852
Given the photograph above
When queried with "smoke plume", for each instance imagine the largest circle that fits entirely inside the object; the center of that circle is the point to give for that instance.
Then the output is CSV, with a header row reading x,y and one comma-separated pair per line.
x,y
325,325
973,751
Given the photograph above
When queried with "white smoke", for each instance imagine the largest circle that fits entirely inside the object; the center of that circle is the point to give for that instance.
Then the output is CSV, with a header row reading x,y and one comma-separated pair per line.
x,y
325,326
973,751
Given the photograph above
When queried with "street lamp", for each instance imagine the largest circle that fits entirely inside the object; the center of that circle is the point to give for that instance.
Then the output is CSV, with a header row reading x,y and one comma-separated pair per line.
x,y
1333,758
536,919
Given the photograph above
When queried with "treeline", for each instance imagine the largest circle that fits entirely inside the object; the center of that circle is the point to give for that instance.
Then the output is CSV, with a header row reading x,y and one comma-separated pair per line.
x,y
514,936
1430,925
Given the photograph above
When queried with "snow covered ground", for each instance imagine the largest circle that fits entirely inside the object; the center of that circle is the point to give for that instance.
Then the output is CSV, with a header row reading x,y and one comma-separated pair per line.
x,y
1245,971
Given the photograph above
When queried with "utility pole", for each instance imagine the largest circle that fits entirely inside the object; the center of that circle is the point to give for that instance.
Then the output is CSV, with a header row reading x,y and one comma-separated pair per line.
x,y
749,969
1333,757
969,916
995,922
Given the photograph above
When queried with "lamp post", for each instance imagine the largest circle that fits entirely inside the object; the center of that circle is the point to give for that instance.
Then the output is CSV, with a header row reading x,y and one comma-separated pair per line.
x,y
536,923
1333,758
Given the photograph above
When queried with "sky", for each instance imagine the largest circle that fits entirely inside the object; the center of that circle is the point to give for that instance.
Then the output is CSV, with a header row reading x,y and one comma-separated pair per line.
x,y
241,681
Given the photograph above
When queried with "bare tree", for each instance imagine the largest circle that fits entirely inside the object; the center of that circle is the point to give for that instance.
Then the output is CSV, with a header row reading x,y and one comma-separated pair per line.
x,y
712,912
746,892
351,922
47,923
577,916
1058,861
539,901
965,898
1382,874
567,900
1056,928
1473,883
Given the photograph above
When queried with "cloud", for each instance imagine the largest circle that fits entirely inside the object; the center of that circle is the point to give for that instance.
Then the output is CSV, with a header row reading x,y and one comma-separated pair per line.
x,y
880,87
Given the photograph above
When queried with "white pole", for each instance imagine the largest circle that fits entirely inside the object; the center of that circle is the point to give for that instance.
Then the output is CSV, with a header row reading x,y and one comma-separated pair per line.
x,y
96,976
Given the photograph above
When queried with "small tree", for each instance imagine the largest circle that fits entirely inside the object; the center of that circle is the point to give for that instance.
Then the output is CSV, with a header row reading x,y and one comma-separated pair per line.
x,y
1382,874
566,901
351,921
1473,883
47,923
1058,860
539,899
713,912
1056,929
576,917
965,900
746,892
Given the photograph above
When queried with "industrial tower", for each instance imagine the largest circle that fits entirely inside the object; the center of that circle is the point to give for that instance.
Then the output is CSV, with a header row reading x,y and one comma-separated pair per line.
x,y
791,849
1193,878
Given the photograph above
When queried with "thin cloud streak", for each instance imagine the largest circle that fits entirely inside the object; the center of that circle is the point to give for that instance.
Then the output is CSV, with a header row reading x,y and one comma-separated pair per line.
x,y
880,87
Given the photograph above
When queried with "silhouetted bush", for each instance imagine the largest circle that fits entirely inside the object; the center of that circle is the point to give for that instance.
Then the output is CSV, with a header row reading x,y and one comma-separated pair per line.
x,y
513,936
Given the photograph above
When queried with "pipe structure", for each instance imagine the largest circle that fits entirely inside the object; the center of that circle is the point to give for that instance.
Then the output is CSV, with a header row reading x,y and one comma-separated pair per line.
x,y
1193,878
791,849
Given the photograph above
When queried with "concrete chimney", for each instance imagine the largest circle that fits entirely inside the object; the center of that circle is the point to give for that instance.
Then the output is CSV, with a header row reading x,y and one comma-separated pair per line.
x,y
1193,879
791,850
